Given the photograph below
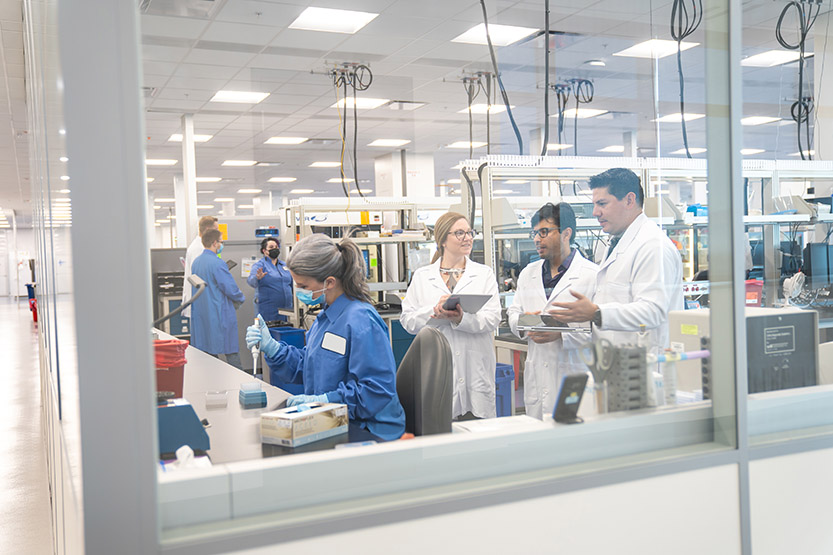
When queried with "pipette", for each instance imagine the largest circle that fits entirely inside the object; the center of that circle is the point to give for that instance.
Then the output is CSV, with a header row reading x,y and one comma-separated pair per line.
x,y
255,352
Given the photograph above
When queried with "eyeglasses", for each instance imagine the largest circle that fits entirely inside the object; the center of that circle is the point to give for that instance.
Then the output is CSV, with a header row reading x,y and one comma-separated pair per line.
x,y
542,232
460,234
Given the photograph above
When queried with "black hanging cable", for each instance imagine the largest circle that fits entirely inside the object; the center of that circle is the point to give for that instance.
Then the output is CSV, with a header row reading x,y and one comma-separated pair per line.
x,y
361,79
583,91
686,16
500,81
344,140
488,90
801,108
546,77
470,84
562,94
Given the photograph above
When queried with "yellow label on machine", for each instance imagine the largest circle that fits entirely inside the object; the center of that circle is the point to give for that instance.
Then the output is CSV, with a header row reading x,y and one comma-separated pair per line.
x,y
224,230
689,329
365,215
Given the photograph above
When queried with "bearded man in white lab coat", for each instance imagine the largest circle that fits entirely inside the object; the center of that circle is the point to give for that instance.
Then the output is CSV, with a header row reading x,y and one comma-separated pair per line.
x,y
561,270
640,278
194,250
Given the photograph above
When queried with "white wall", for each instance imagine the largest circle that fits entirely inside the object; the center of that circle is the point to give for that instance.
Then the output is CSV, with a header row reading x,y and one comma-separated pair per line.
x,y
692,513
792,504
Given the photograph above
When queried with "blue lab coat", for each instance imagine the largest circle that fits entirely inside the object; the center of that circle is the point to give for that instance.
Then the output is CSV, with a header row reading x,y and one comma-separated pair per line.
x,y
272,292
348,357
213,320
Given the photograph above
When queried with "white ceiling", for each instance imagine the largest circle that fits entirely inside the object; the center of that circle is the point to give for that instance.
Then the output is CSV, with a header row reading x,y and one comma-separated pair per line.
x,y
193,48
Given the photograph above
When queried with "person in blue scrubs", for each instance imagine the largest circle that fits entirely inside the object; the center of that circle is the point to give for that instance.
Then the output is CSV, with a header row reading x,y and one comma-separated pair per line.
x,y
271,281
348,357
213,320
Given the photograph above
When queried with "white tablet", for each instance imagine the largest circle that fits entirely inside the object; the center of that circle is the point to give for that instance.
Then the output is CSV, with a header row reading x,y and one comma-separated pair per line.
x,y
469,303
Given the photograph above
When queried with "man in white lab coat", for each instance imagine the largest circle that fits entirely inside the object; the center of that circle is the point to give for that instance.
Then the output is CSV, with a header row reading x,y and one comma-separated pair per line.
x,y
561,269
194,250
640,278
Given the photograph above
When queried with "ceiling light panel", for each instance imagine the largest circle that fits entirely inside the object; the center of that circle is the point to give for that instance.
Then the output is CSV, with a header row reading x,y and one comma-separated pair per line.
x,y
654,48
558,146
361,103
177,138
501,35
389,142
324,165
160,162
483,108
583,113
239,97
758,120
339,180
249,191
224,199
239,163
282,179
301,191
692,150
751,151
208,179
770,58
677,117
286,140
332,21
612,148
466,144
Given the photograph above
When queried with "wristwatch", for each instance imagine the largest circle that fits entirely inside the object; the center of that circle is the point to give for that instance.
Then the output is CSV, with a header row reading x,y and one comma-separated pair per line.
x,y
597,318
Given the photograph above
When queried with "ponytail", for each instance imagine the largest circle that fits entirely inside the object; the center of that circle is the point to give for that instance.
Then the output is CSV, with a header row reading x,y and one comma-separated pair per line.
x,y
354,271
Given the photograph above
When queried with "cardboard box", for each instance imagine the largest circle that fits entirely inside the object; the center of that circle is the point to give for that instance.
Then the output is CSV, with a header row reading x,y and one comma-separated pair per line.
x,y
291,428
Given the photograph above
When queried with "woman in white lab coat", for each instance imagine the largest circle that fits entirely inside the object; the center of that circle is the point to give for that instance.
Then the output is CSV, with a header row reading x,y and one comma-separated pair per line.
x,y
471,336
551,355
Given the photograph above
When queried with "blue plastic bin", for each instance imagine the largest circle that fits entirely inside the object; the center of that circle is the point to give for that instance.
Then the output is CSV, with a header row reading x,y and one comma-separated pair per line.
x,y
30,289
504,389
291,336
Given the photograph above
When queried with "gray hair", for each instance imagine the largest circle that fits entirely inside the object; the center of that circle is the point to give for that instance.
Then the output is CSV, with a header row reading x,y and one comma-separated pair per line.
x,y
319,257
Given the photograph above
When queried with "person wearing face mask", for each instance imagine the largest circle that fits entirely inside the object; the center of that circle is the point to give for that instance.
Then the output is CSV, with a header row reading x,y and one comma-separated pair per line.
x,y
348,357
271,281
213,320
471,336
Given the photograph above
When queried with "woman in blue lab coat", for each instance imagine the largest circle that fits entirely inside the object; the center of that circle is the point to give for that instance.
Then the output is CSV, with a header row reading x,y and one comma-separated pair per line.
x,y
271,281
348,357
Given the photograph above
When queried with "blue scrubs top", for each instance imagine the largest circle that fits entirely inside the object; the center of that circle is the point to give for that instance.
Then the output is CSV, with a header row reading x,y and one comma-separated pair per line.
x,y
348,357
213,319
273,291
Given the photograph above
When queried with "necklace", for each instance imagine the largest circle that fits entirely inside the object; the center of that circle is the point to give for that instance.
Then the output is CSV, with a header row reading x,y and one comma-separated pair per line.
x,y
453,275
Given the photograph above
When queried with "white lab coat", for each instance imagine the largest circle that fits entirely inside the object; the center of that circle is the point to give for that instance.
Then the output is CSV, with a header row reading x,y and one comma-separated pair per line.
x,y
194,250
548,363
638,283
472,341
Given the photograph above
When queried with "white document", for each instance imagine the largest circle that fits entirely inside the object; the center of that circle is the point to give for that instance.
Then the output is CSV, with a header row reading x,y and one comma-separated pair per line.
x,y
246,267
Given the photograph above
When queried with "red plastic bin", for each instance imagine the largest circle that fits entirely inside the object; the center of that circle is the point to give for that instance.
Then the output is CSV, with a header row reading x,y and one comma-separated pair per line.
x,y
754,292
170,364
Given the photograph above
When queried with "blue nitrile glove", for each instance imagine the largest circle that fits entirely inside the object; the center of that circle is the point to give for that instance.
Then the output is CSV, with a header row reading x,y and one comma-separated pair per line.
x,y
260,335
304,399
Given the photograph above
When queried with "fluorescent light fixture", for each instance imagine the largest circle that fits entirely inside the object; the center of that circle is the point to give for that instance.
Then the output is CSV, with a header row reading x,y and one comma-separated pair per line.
x,y
557,146
389,142
362,103
239,97
454,181
157,207
149,179
325,165
362,191
515,181
286,140
301,191
63,159
62,131
165,200
466,144
338,180
282,179
166,220
243,163
770,58
64,178
654,48
177,138
62,200
248,191
597,63
205,191
612,148
677,117
758,120
208,179
483,108
160,162
501,35
806,153
205,206
583,113
504,192
332,21
692,149
751,151
224,199
64,191
269,164
245,206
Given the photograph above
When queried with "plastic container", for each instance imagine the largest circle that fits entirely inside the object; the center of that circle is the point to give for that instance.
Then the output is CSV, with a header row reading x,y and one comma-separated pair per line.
x,y
33,302
754,292
291,336
504,389
170,364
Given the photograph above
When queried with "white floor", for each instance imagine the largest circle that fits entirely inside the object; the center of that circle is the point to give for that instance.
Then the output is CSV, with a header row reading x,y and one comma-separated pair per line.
x,y
25,515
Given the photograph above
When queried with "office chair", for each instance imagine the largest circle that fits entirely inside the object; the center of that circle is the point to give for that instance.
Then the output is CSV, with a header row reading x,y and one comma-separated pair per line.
x,y
424,384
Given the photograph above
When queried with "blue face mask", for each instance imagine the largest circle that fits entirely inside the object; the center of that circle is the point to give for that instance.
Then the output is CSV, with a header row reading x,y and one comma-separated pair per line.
x,y
220,249
306,296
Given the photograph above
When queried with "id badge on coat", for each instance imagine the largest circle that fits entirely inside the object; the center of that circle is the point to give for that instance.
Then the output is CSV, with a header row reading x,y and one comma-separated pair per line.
x,y
334,343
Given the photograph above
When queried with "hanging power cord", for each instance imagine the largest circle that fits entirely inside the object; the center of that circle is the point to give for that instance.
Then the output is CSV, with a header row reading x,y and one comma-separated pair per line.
x,y
686,16
802,107
471,84
488,91
546,77
583,92
357,77
500,81
362,78
562,94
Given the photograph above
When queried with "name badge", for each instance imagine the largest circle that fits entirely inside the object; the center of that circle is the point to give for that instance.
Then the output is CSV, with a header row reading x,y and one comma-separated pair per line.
x,y
334,343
